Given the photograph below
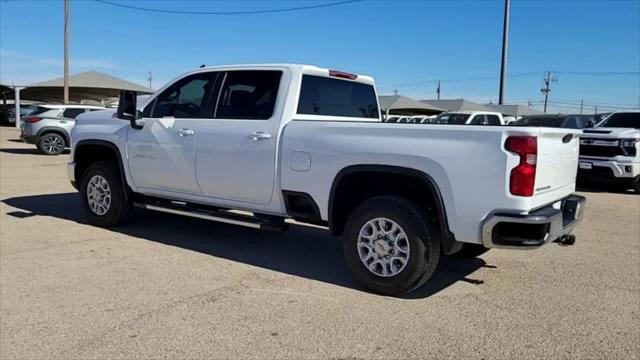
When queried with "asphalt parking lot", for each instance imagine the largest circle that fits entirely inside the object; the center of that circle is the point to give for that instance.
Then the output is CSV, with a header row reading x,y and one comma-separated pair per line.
x,y
172,287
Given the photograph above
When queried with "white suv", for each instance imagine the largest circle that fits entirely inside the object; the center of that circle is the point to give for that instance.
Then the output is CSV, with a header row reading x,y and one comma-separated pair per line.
x,y
48,126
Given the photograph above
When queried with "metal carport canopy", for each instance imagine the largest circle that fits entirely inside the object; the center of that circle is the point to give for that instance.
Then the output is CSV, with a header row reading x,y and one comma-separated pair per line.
x,y
401,103
457,105
89,85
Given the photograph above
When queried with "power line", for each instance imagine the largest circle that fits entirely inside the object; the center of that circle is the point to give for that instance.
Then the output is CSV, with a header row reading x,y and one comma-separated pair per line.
x,y
598,73
248,12
480,78
609,103
577,105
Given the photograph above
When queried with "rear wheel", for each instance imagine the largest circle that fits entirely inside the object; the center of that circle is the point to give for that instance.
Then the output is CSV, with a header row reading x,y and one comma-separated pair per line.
x,y
102,195
51,144
636,184
389,246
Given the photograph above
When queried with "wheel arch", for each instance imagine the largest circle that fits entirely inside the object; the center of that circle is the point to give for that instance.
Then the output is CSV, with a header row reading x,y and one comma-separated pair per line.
x,y
89,151
339,208
52,129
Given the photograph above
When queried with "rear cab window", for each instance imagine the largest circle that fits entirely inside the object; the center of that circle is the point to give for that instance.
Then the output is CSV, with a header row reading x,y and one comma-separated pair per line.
x,y
451,119
327,96
493,119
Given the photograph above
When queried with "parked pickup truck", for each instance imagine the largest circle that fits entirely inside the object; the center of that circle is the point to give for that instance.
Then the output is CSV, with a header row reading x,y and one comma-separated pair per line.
x,y
610,152
469,118
300,142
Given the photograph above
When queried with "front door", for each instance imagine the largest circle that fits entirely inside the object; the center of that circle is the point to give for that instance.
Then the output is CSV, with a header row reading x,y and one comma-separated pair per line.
x,y
162,154
236,150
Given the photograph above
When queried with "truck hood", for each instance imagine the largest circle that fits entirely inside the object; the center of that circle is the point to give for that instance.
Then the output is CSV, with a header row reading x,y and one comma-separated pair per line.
x,y
611,133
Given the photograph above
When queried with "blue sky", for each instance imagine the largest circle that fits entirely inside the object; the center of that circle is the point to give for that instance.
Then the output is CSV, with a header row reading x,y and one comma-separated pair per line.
x,y
405,45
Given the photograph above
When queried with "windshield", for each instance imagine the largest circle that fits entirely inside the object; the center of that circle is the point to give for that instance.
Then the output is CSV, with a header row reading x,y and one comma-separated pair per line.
x,y
548,121
451,119
622,120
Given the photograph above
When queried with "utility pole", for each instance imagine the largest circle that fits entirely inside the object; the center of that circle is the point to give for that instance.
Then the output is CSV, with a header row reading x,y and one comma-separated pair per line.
x,y
438,90
150,79
505,50
595,111
548,78
581,105
66,51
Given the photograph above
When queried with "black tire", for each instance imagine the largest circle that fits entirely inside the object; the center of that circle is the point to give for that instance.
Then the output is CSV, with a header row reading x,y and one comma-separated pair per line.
x,y
120,209
51,144
636,184
471,251
424,247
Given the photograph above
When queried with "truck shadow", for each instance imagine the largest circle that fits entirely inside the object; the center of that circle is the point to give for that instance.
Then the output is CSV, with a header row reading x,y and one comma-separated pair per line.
x,y
302,251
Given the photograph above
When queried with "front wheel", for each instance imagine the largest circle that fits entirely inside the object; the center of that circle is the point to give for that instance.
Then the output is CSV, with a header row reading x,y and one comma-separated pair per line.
x,y
389,246
636,184
103,197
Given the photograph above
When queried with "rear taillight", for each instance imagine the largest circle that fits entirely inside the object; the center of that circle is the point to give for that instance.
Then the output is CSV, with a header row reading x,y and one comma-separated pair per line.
x,y
523,176
342,74
32,119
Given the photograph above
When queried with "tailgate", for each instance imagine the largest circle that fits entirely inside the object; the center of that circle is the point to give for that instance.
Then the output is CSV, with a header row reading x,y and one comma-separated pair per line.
x,y
557,162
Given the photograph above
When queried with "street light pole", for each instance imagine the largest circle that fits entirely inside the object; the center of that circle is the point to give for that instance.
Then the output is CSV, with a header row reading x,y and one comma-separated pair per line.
x,y
505,50
66,51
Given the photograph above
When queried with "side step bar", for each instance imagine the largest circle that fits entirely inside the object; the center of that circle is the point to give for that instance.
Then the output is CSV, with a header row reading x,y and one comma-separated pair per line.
x,y
212,214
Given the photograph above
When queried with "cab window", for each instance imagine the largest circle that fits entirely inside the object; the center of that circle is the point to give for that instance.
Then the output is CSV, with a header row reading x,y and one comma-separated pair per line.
x,y
249,95
478,120
187,98
493,120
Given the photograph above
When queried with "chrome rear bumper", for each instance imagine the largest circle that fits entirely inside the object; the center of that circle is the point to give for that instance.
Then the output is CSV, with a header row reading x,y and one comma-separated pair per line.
x,y
532,230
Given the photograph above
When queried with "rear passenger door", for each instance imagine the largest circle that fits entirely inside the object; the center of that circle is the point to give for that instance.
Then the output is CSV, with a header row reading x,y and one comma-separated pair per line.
x,y
236,149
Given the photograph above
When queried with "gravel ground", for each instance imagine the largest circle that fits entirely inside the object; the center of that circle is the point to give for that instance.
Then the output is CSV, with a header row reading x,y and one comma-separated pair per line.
x,y
172,287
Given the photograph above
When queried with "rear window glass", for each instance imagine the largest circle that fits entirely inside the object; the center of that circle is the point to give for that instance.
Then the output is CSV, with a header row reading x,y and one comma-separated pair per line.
x,y
623,120
37,110
493,120
451,119
545,121
334,97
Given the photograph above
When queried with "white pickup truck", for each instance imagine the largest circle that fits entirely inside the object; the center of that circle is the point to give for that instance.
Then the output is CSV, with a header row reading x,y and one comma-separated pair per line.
x,y
610,152
300,142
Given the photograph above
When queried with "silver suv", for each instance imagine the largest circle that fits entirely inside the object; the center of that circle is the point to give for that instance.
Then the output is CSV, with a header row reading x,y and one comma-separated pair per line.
x,y
48,126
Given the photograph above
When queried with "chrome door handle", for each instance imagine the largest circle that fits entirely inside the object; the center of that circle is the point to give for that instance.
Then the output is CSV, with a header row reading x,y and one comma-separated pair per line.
x,y
186,132
259,135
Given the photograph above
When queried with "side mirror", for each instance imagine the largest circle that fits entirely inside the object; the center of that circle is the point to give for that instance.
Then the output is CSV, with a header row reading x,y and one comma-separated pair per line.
x,y
589,124
127,108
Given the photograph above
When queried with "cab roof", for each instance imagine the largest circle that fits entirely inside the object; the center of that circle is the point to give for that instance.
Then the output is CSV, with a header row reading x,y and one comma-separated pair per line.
x,y
295,69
